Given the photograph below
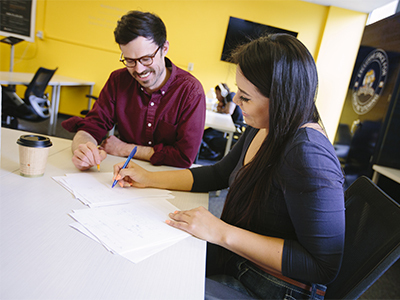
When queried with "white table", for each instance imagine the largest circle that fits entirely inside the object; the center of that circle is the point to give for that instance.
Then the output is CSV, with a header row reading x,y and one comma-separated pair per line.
x,y
221,122
391,173
43,258
9,149
56,82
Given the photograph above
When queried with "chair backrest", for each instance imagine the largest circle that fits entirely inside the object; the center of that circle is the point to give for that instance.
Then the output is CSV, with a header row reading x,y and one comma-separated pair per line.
x,y
372,242
38,84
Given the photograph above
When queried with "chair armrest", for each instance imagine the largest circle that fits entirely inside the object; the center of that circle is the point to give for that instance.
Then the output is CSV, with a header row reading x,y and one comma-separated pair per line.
x,y
92,97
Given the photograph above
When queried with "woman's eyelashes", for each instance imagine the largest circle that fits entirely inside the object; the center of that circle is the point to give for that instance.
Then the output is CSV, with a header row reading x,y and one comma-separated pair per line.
x,y
244,99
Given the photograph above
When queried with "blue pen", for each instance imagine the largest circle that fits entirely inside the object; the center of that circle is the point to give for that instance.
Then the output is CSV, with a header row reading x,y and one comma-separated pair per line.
x,y
126,163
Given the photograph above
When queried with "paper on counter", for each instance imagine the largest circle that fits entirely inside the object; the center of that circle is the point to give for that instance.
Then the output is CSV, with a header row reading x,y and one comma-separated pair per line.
x,y
134,256
135,231
94,189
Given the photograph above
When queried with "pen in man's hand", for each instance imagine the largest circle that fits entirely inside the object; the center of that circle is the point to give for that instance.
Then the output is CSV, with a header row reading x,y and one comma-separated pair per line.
x,y
126,163
98,165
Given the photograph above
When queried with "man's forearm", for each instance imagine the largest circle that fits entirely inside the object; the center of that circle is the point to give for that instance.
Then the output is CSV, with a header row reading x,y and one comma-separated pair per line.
x,y
82,137
143,152
114,146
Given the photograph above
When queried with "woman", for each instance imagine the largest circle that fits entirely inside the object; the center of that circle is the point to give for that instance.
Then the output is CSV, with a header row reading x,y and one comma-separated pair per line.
x,y
214,141
225,102
281,231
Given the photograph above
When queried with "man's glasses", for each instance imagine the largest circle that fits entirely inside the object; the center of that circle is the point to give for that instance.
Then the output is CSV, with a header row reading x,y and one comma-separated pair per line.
x,y
144,60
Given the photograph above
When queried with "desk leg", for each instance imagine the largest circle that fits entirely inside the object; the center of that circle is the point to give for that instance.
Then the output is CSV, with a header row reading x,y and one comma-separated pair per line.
x,y
375,177
55,101
90,99
52,105
228,143
56,109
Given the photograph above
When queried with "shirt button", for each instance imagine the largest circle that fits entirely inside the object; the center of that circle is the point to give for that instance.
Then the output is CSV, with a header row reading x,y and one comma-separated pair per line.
x,y
149,124
149,143
163,92
152,103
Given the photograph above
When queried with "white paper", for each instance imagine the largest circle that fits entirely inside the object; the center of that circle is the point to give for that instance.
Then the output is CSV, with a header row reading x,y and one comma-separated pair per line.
x,y
94,189
126,221
134,256
135,231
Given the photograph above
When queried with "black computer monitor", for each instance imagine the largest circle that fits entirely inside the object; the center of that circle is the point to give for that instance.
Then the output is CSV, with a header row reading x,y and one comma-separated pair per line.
x,y
17,20
241,31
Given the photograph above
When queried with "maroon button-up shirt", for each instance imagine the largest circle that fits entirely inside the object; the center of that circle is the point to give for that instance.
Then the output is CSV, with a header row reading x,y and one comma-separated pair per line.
x,y
171,120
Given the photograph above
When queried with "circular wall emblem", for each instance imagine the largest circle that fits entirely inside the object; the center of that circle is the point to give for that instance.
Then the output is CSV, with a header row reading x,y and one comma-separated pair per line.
x,y
370,80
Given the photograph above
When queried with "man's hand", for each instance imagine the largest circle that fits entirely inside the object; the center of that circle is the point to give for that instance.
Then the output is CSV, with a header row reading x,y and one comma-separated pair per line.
x,y
87,155
114,146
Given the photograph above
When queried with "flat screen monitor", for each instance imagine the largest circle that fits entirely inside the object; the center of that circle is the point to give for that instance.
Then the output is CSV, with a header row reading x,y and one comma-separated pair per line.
x,y
17,19
241,31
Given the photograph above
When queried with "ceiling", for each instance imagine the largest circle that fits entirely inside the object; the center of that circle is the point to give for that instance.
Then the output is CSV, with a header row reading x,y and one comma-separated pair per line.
x,y
365,6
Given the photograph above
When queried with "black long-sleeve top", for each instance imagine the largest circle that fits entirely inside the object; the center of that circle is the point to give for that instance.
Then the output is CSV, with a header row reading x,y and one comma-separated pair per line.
x,y
306,209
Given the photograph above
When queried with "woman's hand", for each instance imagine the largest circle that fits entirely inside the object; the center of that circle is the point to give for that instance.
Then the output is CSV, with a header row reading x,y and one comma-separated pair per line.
x,y
200,223
133,175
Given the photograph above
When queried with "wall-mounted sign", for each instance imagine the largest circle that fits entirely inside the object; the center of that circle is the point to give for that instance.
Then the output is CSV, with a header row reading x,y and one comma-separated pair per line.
x,y
370,81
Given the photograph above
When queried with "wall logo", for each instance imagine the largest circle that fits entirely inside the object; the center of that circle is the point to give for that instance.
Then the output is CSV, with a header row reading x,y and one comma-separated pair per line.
x,y
370,80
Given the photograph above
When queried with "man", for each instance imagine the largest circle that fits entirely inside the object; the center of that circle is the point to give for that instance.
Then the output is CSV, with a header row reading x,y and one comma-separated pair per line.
x,y
158,107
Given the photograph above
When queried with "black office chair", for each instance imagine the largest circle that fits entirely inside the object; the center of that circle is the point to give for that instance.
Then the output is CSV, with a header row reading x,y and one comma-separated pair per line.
x,y
372,244
33,107
90,98
372,241
342,143
114,130
214,142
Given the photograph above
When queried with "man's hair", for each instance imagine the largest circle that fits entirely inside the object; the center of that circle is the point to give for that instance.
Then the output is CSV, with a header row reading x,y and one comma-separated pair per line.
x,y
136,23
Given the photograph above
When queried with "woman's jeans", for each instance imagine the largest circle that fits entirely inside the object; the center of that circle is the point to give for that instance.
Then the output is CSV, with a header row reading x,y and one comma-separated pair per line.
x,y
243,276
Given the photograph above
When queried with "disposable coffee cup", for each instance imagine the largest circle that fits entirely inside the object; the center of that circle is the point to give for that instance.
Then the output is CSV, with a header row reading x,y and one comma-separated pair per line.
x,y
33,153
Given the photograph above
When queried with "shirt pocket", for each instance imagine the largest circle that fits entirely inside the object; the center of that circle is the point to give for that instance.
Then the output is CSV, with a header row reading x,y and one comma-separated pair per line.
x,y
165,133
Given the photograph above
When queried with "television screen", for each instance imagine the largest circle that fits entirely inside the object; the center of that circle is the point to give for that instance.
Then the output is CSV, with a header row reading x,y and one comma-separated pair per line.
x,y
17,19
241,31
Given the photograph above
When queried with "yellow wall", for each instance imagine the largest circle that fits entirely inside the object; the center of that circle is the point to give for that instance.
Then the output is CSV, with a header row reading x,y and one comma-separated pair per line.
x,y
78,39
336,57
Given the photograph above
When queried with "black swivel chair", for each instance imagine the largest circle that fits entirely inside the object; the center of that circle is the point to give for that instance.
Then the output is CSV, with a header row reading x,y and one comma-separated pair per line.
x,y
114,130
342,143
33,107
372,244
90,98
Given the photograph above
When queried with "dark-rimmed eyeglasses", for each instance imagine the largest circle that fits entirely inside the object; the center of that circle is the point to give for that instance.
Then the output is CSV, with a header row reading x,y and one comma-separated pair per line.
x,y
146,60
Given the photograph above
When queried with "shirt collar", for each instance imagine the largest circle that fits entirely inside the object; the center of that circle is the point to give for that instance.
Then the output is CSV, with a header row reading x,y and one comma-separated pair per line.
x,y
172,67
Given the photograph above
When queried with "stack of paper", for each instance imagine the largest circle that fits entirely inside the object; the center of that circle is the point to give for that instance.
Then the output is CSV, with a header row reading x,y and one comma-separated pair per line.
x,y
94,189
127,221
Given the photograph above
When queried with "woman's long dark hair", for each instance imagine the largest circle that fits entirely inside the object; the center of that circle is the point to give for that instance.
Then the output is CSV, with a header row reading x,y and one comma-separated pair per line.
x,y
283,70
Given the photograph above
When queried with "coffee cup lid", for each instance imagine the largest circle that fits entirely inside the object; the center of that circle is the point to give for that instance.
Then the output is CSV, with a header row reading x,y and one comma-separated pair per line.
x,y
33,140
